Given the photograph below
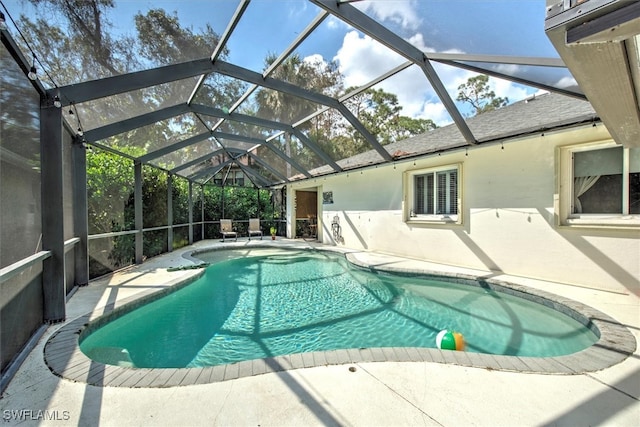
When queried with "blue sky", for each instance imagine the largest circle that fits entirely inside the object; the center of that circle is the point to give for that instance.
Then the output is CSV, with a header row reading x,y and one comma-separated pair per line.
x,y
491,27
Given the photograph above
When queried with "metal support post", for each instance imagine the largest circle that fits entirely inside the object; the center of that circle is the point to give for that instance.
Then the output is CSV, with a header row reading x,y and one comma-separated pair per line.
x,y
80,219
52,213
190,212
170,212
137,202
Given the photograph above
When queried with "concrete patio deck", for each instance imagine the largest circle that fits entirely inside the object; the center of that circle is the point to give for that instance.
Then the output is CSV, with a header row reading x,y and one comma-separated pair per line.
x,y
352,393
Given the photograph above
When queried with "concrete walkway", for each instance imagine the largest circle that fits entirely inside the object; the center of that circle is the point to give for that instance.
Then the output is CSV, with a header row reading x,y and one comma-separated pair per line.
x,y
359,394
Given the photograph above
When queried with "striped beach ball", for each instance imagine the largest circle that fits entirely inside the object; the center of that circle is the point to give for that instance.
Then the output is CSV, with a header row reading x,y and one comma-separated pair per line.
x,y
450,340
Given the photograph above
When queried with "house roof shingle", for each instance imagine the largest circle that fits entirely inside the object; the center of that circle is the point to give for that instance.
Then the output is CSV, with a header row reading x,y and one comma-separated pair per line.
x,y
536,114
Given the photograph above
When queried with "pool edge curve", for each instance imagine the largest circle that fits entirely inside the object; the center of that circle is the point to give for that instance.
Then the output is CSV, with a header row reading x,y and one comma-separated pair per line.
x,y
63,356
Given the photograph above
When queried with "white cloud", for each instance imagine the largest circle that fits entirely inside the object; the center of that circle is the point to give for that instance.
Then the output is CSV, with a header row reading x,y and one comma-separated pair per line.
x,y
361,59
334,23
316,58
506,89
401,12
567,82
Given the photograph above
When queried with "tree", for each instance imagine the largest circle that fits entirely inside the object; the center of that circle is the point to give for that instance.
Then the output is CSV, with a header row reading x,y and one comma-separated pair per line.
x,y
84,49
477,92
110,186
316,76
380,112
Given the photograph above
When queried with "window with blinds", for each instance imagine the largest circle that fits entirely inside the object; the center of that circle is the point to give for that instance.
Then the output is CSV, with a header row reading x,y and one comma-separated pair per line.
x,y
436,193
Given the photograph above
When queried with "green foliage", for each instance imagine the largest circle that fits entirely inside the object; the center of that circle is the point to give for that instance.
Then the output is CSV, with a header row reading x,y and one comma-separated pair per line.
x,y
477,92
180,200
380,113
79,47
286,108
377,110
110,185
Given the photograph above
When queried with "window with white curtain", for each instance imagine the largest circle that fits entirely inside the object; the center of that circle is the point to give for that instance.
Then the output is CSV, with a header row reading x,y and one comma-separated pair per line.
x,y
606,181
601,185
433,194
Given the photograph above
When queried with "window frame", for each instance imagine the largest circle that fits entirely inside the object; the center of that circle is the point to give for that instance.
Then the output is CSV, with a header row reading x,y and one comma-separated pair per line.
x,y
565,188
409,215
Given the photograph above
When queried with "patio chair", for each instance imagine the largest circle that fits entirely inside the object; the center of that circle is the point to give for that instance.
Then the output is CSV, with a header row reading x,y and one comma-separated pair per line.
x,y
254,228
226,230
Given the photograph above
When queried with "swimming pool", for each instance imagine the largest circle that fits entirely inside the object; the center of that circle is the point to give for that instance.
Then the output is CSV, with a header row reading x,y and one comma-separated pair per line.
x,y
278,302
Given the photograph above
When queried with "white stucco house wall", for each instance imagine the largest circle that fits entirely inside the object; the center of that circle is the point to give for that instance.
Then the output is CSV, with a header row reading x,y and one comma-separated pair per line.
x,y
506,204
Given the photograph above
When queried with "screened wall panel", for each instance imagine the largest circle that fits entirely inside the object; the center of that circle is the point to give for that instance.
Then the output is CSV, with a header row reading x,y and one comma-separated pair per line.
x,y
21,296
155,242
21,308
154,199
213,202
180,200
196,196
20,205
107,254
110,191
180,237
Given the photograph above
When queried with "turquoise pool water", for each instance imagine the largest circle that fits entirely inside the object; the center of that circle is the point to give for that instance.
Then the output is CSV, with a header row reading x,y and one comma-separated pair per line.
x,y
274,302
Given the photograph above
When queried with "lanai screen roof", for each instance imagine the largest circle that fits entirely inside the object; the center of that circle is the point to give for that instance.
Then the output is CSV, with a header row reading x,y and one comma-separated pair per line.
x,y
282,89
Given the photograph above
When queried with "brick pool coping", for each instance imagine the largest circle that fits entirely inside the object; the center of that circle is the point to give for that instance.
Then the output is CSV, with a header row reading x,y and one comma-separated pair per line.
x,y
64,358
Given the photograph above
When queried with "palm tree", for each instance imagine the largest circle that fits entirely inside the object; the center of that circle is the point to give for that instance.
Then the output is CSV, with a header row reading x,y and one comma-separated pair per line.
x,y
287,108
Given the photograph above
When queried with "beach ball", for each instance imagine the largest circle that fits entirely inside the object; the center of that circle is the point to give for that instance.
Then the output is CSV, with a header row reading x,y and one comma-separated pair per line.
x,y
450,340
